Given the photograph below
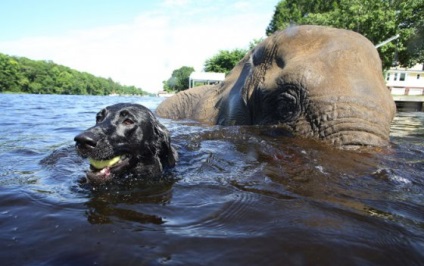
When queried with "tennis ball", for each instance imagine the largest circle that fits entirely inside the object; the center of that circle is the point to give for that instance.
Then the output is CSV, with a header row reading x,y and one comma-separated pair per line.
x,y
100,164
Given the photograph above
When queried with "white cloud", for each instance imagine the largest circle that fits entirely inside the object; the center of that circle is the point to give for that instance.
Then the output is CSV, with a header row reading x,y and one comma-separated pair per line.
x,y
146,51
171,3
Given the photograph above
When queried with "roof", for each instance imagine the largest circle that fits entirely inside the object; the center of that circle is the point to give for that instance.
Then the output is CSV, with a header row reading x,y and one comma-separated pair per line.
x,y
207,76
416,69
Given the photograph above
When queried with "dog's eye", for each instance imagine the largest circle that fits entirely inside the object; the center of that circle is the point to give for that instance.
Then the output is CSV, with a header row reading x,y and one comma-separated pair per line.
x,y
99,118
128,122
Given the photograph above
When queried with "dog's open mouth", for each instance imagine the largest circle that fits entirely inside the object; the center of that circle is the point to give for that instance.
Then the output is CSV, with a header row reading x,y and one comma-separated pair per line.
x,y
102,170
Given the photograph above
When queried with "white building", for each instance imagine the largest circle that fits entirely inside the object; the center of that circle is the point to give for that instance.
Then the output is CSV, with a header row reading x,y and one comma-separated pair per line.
x,y
205,78
406,81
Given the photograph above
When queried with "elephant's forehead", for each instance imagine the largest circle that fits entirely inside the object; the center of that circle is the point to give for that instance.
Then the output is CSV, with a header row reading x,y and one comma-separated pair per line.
x,y
318,40
320,57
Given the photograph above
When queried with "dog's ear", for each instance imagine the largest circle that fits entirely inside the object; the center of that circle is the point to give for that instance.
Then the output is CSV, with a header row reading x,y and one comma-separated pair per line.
x,y
167,154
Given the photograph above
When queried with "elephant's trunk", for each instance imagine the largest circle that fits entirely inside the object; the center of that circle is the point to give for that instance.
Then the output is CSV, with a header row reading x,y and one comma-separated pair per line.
x,y
354,133
349,122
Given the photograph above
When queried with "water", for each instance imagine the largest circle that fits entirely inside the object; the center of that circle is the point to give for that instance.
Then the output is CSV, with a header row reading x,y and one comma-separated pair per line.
x,y
238,196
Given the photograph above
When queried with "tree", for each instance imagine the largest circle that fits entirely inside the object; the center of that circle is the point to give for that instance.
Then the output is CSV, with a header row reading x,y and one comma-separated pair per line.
x,y
9,74
18,74
179,80
377,20
224,61
416,45
254,43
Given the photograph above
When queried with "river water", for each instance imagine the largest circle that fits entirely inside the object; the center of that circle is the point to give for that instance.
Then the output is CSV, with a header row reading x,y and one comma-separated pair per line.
x,y
238,196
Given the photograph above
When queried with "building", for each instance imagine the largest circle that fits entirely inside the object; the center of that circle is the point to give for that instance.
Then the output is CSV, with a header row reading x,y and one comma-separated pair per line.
x,y
165,94
407,87
406,81
205,78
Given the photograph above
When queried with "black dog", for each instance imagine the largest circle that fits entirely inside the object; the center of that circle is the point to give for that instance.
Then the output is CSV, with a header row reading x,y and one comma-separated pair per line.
x,y
126,140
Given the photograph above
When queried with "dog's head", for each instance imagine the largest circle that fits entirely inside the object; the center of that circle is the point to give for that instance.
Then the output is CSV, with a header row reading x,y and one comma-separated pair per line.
x,y
127,139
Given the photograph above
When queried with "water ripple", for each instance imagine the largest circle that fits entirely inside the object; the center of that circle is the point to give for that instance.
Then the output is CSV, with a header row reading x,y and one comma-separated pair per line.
x,y
243,195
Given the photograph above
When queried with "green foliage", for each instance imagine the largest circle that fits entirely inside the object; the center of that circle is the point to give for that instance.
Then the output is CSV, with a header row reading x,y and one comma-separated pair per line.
x,y
19,74
377,20
254,43
416,44
224,61
179,80
9,74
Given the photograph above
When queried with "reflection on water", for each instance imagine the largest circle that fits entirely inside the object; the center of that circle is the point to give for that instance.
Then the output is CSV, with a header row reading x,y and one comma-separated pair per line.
x,y
239,195
408,125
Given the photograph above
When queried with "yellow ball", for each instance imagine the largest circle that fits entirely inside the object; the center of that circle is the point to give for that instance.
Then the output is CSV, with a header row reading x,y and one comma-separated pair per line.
x,y
100,164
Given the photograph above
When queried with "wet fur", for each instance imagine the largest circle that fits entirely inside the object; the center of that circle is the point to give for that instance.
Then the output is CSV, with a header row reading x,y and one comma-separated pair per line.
x,y
130,130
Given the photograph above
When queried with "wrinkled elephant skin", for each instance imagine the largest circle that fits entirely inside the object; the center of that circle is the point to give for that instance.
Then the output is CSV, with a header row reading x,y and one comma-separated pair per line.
x,y
319,82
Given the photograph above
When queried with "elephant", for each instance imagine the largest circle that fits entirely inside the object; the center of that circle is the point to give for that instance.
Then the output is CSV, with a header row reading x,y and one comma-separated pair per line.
x,y
319,82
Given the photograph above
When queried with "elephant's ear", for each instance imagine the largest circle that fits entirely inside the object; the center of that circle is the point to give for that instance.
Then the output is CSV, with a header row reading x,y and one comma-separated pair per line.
x,y
246,75
259,61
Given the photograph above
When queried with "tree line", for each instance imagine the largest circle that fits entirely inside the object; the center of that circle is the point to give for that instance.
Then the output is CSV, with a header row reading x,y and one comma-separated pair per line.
x,y
22,75
222,62
377,20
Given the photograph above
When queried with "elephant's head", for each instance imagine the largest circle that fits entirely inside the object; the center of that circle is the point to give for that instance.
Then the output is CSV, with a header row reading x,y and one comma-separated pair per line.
x,y
320,82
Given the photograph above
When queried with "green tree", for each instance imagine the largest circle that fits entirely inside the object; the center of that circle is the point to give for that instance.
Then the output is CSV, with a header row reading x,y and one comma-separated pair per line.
x,y
19,74
179,79
416,45
224,61
170,84
254,43
64,83
9,74
377,20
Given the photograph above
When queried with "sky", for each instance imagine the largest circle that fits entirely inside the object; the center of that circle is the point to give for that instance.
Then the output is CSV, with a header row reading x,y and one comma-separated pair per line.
x,y
133,42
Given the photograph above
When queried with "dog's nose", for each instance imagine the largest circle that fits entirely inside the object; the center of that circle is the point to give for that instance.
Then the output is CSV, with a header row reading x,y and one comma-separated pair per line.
x,y
86,139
